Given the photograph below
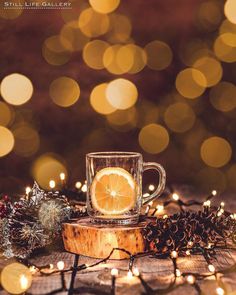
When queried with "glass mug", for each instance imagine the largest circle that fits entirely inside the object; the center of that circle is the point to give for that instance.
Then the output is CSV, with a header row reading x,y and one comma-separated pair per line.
x,y
114,181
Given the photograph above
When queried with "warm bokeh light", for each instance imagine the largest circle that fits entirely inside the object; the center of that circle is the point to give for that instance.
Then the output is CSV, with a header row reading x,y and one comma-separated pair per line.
x,y
6,114
11,13
121,93
16,278
223,96
120,28
64,91
46,168
16,89
230,10
6,141
224,51
72,14
216,151
210,68
71,37
139,58
189,83
93,54
92,23
123,120
228,33
104,6
159,55
27,140
147,113
53,51
153,138
209,179
209,15
179,117
98,100
118,59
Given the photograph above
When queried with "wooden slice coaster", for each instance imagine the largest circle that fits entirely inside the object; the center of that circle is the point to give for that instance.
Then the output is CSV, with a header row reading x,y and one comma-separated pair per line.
x,y
97,240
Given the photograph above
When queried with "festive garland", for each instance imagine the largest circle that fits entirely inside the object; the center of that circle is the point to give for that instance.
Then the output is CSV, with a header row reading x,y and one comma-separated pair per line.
x,y
182,234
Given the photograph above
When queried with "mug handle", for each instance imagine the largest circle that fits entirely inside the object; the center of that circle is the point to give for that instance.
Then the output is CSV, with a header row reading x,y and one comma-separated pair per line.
x,y
162,180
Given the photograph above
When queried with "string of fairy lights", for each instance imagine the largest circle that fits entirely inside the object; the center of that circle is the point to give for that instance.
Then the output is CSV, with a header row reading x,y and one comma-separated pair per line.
x,y
133,273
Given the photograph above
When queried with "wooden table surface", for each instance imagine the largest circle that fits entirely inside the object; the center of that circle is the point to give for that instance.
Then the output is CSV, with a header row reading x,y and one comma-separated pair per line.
x,y
158,272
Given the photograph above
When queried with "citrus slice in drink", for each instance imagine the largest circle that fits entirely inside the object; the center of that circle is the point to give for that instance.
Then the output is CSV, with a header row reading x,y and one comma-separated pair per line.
x,y
113,191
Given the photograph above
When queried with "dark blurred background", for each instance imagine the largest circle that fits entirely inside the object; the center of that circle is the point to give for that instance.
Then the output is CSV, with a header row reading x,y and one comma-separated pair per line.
x,y
157,77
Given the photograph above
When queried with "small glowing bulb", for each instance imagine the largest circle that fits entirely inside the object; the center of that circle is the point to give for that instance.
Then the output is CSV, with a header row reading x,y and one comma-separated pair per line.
x,y
220,291
27,190
151,187
60,265
165,216
129,274
211,268
84,188
214,192
177,273
32,269
159,208
136,272
222,204
51,266
207,203
190,243
78,184
222,210
188,252
191,279
174,254
175,197
52,184
24,282
114,272
219,213
62,176
146,195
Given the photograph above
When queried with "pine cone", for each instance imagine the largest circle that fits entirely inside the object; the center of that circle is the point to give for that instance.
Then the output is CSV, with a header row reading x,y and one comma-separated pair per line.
x,y
198,228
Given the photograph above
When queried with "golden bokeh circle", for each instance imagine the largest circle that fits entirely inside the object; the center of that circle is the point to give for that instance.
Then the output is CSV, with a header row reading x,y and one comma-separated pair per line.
x,y
153,138
104,6
71,37
216,151
92,23
123,120
210,68
227,33
48,167
16,89
6,114
93,54
27,140
64,91
139,58
189,83
224,51
159,55
223,96
6,141
121,93
53,51
230,10
120,28
179,117
16,278
98,100
11,13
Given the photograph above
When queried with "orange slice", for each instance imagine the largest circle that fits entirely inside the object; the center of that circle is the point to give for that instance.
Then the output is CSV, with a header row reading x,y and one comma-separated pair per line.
x,y
113,191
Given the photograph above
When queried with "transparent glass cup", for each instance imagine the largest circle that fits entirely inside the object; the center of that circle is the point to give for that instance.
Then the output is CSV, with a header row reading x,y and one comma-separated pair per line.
x,y
114,181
